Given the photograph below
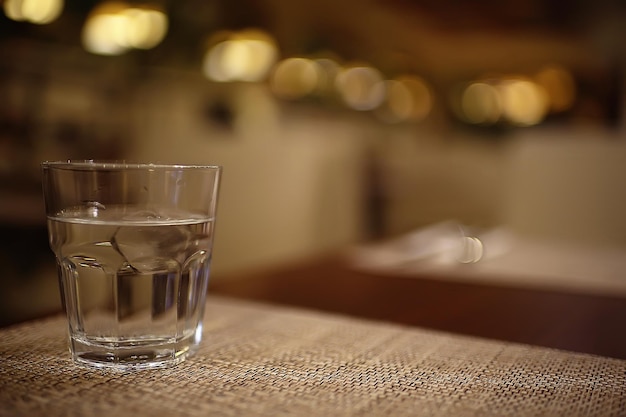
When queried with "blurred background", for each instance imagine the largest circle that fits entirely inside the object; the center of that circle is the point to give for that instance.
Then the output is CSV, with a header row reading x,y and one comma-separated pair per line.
x,y
337,123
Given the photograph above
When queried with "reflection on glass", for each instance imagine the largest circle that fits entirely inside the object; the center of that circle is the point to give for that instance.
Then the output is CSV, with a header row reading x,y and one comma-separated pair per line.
x,y
470,250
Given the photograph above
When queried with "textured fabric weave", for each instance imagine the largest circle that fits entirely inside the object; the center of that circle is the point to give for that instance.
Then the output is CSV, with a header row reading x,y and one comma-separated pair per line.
x,y
263,360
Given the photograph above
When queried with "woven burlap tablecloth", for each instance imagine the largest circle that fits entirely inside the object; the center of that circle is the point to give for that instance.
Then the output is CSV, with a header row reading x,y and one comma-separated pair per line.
x,y
264,360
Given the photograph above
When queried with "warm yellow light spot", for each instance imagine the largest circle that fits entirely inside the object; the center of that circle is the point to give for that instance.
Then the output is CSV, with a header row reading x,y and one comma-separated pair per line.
x,y
213,63
262,56
408,98
33,11
114,28
235,58
146,28
481,104
560,86
397,105
327,73
103,34
13,9
421,96
524,102
244,56
295,78
361,87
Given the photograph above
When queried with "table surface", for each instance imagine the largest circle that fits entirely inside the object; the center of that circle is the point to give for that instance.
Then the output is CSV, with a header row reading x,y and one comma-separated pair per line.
x,y
259,359
575,321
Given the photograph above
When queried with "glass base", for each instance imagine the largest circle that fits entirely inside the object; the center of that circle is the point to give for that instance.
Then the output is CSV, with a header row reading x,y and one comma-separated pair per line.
x,y
125,355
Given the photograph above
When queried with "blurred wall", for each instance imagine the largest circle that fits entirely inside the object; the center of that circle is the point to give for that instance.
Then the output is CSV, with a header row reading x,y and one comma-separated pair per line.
x,y
443,176
293,181
567,184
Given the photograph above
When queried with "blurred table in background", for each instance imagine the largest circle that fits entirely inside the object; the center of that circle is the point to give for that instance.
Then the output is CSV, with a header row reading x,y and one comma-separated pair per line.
x,y
576,321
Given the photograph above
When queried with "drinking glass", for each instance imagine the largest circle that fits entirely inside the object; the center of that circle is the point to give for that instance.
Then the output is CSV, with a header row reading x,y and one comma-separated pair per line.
x,y
133,246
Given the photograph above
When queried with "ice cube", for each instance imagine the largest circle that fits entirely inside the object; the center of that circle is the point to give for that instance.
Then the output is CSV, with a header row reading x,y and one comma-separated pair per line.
x,y
139,244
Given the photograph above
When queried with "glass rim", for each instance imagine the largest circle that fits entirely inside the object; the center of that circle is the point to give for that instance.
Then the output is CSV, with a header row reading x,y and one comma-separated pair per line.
x,y
90,164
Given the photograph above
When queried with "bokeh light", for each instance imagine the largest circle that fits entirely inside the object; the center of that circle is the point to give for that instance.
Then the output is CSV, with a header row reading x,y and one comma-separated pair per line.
x,y
397,103
524,102
361,87
327,73
295,78
560,86
481,103
243,56
515,100
146,28
34,11
114,28
407,98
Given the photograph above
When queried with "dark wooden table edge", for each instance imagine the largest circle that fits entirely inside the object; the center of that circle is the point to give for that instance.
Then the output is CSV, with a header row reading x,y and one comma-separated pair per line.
x,y
569,320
